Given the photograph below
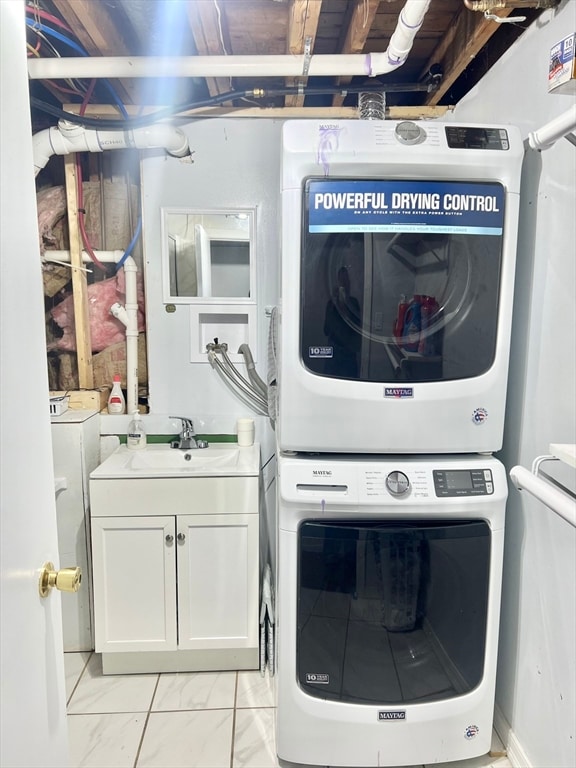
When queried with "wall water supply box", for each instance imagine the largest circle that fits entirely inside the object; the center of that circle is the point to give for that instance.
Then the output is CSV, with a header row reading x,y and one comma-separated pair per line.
x,y
562,67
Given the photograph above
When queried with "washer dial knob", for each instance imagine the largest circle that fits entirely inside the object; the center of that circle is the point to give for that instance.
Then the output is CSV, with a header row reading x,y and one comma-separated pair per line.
x,y
397,483
408,132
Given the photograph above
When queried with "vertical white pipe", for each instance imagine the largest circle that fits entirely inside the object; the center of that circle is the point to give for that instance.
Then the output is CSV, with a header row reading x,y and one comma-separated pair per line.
x,y
128,314
130,272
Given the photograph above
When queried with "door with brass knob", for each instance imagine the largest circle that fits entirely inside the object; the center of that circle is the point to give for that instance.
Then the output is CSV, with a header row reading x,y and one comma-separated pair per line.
x,y
66,579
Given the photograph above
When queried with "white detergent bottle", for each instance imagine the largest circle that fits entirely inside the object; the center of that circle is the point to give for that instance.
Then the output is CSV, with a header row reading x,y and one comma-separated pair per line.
x,y
116,401
136,437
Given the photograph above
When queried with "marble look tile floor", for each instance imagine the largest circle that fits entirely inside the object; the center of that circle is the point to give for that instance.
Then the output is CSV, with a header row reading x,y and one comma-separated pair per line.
x,y
185,720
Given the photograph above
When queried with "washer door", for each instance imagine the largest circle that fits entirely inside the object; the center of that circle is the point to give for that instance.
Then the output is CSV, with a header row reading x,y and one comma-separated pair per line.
x,y
391,612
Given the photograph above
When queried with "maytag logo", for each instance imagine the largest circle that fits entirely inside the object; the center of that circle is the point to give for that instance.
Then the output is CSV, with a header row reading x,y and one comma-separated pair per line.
x,y
399,392
322,472
393,714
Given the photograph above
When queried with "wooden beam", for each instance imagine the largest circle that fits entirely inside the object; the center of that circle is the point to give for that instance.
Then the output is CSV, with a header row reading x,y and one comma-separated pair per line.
x,y
79,283
207,28
94,27
461,43
107,111
357,33
303,18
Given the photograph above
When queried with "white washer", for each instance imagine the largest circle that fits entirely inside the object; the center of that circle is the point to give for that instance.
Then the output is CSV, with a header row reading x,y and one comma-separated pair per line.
x,y
398,259
389,583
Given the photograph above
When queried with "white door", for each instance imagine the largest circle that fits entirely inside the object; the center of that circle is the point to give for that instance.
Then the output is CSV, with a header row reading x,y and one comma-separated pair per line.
x,y
33,729
217,581
134,567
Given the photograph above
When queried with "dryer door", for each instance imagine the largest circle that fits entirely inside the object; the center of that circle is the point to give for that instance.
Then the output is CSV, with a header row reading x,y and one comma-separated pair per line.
x,y
400,280
391,612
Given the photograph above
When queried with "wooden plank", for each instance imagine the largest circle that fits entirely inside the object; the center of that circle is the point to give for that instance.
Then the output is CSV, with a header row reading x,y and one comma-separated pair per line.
x,y
207,26
79,283
94,27
303,16
274,113
356,35
461,43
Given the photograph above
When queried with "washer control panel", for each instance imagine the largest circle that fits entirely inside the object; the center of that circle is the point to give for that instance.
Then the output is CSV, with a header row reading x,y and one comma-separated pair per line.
x,y
463,482
397,483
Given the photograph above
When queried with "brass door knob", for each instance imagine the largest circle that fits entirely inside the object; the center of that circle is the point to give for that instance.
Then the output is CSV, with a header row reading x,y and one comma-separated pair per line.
x,y
66,579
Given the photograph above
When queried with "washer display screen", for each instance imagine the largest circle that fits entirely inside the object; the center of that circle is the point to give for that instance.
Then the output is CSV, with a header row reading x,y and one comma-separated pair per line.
x,y
458,480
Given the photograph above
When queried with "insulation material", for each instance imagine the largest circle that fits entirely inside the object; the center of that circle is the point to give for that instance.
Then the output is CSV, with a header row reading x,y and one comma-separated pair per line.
x,y
51,204
104,328
113,215
55,277
104,365
112,361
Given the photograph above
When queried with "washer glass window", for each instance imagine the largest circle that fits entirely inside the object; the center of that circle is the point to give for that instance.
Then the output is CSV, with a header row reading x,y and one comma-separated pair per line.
x,y
391,612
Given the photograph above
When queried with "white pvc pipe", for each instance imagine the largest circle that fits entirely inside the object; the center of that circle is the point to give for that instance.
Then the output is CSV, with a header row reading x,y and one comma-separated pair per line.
x,y
369,65
552,497
127,314
69,137
108,257
550,133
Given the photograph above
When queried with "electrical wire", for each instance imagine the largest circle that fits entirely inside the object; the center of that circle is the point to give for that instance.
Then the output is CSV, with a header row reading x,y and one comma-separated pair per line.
x,y
41,14
78,48
133,242
34,51
80,190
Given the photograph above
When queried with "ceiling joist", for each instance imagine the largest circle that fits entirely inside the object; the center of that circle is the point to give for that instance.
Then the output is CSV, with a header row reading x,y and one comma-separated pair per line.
x,y
96,30
303,17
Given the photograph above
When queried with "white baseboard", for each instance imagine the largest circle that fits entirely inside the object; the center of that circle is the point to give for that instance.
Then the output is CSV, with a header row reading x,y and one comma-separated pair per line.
x,y
516,754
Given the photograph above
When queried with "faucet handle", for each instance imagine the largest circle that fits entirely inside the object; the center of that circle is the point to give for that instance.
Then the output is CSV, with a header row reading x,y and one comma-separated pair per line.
x,y
187,425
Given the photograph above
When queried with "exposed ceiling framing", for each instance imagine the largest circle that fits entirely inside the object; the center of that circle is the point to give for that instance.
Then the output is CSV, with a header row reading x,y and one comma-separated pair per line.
x,y
460,42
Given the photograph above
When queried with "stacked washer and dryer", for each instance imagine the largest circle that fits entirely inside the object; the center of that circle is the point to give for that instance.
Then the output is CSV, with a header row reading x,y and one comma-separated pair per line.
x,y
398,260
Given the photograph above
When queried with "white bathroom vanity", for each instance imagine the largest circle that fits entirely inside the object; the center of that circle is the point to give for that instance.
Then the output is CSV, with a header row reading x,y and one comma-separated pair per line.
x,y
175,541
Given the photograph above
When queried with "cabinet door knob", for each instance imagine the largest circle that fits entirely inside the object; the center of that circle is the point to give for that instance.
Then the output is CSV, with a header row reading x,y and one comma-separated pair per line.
x,y
169,538
181,537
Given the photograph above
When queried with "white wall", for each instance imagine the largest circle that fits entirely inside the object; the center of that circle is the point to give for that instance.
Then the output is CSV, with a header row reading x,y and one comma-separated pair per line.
x,y
536,672
236,165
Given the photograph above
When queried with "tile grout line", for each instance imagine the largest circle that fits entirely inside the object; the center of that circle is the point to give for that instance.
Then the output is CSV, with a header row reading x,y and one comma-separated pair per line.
x,y
78,681
146,722
234,722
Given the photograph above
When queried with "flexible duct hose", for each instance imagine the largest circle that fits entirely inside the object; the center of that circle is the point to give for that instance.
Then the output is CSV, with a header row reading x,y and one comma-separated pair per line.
x,y
256,381
256,403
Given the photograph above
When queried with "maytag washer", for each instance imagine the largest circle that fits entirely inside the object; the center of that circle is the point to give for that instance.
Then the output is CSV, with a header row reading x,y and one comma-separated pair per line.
x,y
398,258
389,583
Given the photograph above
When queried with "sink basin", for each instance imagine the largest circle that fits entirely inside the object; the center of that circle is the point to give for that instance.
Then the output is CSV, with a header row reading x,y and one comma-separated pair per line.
x,y
161,460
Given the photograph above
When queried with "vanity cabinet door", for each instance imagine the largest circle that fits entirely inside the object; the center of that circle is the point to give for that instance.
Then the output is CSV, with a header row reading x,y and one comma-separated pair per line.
x,y
134,564
217,581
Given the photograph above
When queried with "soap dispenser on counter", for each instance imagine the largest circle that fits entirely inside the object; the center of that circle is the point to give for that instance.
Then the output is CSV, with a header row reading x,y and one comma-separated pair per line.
x,y
136,436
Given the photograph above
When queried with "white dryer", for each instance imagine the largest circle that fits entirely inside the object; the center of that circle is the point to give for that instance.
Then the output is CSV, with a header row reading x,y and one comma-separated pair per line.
x,y
388,600
398,259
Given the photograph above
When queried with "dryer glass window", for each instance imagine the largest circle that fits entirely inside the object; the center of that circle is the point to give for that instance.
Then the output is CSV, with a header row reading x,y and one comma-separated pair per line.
x,y
400,280
391,612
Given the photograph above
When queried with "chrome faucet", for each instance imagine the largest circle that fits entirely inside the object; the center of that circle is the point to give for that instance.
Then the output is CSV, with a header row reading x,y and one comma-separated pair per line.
x,y
187,440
